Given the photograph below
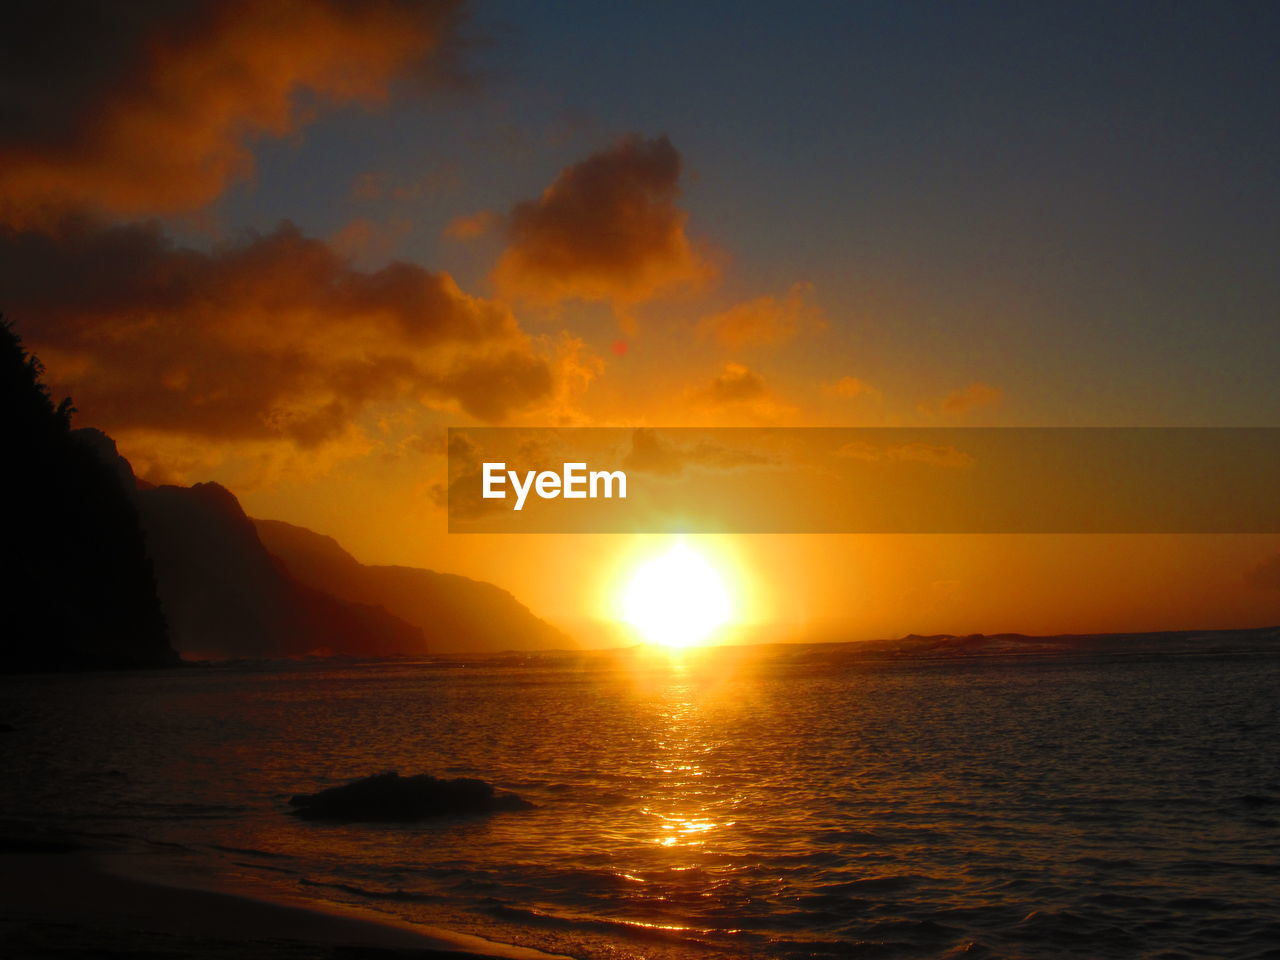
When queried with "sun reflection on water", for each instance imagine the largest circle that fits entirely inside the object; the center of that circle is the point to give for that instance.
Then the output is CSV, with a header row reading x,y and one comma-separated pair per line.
x,y
683,816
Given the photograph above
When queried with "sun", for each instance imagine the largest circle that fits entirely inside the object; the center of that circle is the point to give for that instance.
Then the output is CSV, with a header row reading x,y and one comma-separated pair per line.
x,y
677,599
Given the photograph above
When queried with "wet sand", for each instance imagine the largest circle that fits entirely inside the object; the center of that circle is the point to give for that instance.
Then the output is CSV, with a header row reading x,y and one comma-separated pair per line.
x,y
64,903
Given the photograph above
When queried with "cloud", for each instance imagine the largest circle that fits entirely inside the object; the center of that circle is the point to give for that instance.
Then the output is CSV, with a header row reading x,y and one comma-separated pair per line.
x,y
140,106
932,455
470,226
766,321
277,337
850,387
160,456
607,229
734,384
363,238
575,368
462,497
971,397
739,390
649,453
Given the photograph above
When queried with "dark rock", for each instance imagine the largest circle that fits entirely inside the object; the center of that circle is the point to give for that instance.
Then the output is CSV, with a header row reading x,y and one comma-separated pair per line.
x,y
389,796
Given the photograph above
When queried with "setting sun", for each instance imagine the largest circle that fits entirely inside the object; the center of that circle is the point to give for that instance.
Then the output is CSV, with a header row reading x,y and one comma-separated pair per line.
x,y
677,599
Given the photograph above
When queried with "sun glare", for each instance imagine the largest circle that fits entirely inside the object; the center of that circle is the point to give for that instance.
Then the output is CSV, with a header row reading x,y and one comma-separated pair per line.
x,y
677,599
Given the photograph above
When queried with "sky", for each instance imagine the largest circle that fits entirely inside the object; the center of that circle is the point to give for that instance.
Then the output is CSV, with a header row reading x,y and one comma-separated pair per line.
x,y
284,246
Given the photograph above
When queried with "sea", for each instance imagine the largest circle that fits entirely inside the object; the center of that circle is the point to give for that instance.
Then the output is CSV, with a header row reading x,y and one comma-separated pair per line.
x,y
773,802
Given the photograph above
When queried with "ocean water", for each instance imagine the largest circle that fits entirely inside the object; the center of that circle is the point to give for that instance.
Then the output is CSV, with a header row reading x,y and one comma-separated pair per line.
x,y
775,802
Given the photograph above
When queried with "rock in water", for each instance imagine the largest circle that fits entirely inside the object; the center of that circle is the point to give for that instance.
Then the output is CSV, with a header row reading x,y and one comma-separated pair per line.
x,y
389,796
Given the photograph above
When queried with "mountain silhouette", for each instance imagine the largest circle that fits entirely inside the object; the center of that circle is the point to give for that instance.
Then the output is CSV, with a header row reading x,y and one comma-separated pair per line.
x,y
456,614
226,596
235,587
79,590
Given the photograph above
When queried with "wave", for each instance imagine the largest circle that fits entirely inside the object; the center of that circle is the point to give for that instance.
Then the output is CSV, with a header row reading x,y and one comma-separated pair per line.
x,y
247,851
401,896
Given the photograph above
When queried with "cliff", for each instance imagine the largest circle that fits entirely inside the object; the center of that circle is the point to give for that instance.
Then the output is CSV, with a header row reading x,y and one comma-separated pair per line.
x,y
226,596
79,591
456,614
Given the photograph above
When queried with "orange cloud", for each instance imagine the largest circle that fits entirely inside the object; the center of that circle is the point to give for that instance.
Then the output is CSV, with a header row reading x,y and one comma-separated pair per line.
x,y
971,397
461,496
277,338
470,226
767,320
738,391
735,384
575,367
850,387
608,229
145,110
363,237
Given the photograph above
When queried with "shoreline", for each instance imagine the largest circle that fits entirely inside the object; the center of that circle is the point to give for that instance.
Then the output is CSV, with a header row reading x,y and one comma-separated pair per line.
x,y
61,902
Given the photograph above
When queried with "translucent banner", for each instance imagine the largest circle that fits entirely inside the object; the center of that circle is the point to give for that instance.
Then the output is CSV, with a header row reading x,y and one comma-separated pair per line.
x,y
864,480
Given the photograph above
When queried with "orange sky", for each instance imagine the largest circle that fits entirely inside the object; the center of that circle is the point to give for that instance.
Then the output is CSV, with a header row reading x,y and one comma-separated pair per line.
x,y
564,269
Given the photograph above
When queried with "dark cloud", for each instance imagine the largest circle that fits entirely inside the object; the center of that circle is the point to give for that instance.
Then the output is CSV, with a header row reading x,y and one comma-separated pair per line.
x,y
274,337
143,106
738,393
607,229
733,385
463,496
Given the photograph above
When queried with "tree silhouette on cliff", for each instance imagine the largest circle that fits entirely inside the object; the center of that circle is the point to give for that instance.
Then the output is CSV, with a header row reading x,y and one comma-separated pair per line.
x,y
79,591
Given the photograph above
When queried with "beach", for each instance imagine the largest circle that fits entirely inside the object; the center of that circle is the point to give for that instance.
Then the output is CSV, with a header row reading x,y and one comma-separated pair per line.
x,y
61,900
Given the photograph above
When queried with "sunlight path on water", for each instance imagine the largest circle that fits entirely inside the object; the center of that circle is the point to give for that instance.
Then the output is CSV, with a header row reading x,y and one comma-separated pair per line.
x,y
713,802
